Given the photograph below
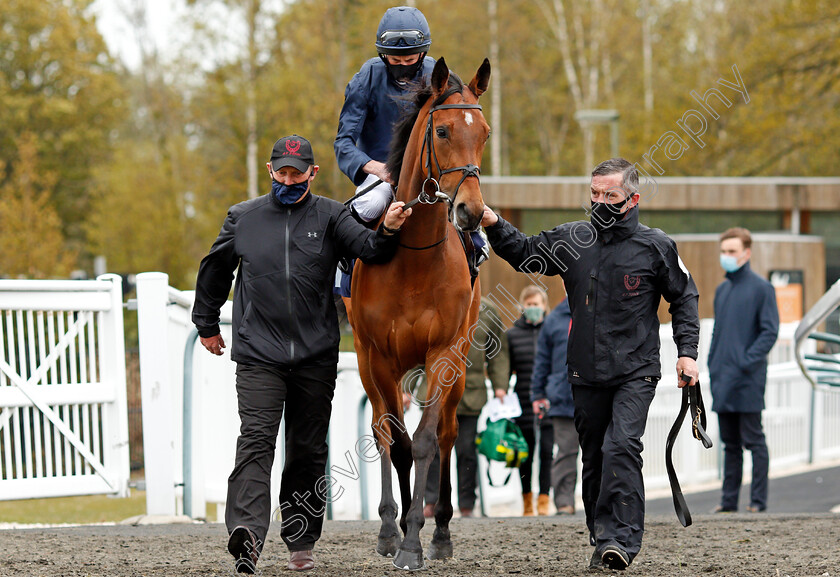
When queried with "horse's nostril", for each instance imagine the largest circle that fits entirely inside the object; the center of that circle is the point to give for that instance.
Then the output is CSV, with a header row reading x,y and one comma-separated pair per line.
x,y
465,219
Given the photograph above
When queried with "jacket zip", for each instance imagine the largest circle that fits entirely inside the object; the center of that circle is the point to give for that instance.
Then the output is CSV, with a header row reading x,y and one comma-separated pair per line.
x,y
590,305
289,279
590,296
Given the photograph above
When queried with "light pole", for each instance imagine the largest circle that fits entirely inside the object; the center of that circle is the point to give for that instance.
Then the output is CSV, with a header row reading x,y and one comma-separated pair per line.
x,y
587,118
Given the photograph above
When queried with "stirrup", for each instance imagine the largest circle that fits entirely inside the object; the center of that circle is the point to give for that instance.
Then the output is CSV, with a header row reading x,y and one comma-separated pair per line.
x,y
344,265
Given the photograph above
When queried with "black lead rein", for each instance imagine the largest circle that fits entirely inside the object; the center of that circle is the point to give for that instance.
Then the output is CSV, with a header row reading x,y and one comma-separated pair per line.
x,y
693,400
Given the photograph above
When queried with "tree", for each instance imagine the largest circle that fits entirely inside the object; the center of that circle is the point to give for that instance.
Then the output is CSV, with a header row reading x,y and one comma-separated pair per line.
x,y
31,242
142,209
57,81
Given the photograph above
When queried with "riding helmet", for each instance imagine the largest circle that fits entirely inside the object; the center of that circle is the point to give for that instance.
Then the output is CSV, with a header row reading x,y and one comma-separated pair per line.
x,y
403,30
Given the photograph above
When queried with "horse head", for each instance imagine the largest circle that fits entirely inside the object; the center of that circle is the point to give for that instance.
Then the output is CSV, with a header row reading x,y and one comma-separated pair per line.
x,y
455,137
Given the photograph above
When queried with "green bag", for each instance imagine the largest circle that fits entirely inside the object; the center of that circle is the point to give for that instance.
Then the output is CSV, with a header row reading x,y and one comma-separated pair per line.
x,y
502,440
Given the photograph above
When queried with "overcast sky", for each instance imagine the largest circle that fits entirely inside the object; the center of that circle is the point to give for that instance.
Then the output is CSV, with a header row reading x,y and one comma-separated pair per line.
x,y
162,17
167,21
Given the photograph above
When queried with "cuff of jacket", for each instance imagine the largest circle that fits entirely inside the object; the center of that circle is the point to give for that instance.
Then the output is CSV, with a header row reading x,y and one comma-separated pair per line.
x,y
690,351
387,232
497,226
207,332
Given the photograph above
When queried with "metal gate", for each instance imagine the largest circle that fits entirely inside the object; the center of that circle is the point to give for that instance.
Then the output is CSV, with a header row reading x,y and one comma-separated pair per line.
x,y
63,418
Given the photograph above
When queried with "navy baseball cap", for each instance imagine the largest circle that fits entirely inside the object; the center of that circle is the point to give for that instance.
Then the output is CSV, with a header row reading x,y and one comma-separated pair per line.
x,y
294,151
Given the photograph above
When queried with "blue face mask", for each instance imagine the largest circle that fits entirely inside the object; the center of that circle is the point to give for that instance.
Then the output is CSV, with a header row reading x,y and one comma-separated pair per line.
x,y
289,193
729,263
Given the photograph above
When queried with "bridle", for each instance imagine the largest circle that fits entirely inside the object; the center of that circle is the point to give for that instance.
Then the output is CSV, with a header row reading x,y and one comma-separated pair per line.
x,y
428,145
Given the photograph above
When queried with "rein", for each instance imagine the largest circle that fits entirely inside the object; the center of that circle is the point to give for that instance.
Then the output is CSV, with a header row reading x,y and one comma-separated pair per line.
x,y
466,170
363,192
691,401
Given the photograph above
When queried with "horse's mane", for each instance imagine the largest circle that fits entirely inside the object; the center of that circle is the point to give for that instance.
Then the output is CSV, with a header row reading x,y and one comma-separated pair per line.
x,y
402,130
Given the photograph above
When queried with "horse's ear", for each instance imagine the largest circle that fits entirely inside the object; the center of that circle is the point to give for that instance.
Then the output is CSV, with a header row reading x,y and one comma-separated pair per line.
x,y
481,80
440,76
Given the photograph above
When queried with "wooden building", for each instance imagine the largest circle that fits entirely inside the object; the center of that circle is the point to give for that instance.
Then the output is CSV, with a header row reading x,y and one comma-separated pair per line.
x,y
794,200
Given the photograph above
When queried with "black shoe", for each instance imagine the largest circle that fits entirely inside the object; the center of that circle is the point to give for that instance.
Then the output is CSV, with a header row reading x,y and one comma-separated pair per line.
x,y
243,545
615,558
595,563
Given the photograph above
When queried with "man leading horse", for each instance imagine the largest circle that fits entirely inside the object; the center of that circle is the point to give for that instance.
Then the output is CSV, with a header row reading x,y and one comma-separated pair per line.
x,y
616,271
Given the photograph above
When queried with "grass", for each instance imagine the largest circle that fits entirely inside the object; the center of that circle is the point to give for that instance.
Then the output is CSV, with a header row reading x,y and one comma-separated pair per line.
x,y
74,510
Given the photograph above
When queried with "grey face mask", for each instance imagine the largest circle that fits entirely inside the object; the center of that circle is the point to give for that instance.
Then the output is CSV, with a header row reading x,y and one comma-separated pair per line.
x,y
533,314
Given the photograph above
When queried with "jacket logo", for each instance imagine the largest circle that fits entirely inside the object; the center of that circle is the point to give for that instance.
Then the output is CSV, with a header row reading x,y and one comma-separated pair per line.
x,y
631,283
292,147
312,234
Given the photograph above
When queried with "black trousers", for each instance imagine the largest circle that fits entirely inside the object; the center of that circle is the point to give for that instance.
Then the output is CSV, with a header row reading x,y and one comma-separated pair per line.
x,y
739,431
466,460
263,392
528,424
610,422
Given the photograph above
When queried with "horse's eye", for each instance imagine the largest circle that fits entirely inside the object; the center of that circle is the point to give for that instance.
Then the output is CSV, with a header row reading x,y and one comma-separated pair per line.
x,y
442,132
489,134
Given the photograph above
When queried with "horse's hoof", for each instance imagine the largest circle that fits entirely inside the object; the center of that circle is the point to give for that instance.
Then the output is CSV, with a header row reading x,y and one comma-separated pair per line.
x,y
387,546
439,550
409,560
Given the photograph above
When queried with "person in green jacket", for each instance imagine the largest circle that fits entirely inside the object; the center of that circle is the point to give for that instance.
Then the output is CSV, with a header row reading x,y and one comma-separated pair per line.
x,y
488,358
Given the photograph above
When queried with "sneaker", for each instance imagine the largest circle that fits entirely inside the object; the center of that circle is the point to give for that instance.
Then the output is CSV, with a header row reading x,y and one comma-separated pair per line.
x,y
466,513
566,510
722,509
595,563
756,509
615,558
244,546
429,511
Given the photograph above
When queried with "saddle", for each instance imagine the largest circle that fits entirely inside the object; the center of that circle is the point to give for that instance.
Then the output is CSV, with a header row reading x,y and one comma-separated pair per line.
x,y
692,401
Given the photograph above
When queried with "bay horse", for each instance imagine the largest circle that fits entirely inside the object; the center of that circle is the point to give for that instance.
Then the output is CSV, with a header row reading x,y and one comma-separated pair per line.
x,y
418,308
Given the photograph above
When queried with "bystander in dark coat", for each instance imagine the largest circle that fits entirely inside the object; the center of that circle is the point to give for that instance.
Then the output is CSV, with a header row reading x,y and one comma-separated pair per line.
x,y
746,328
550,382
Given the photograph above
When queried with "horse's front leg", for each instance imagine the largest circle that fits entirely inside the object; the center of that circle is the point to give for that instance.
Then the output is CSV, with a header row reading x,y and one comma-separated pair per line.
x,y
441,545
424,443
445,387
389,536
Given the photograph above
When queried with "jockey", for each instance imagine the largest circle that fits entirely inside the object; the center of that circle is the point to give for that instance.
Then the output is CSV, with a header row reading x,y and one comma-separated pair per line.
x,y
374,100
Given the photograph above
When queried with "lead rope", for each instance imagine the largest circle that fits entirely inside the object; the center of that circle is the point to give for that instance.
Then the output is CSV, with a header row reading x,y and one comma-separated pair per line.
x,y
693,400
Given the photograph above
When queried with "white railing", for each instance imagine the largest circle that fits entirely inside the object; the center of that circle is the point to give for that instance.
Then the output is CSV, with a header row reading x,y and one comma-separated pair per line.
x,y
800,427
63,413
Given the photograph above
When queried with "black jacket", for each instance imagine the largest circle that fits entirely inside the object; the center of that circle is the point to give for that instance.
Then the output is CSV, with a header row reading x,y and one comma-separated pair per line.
x,y
522,344
615,280
283,308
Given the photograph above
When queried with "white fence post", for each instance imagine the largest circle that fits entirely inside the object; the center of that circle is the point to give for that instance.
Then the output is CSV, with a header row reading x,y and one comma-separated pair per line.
x,y
113,369
156,392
